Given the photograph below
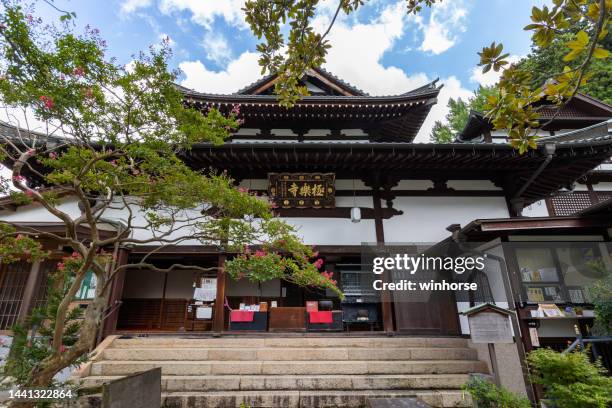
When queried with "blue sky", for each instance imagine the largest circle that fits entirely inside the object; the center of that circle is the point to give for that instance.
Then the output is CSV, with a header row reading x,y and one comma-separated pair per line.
x,y
379,49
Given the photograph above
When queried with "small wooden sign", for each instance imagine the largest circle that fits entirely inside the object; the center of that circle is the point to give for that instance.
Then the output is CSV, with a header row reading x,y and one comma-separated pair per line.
x,y
489,324
302,190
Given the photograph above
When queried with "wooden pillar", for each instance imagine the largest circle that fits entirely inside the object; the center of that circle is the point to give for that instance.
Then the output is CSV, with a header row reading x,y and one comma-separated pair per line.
x,y
116,293
387,309
29,292
219,316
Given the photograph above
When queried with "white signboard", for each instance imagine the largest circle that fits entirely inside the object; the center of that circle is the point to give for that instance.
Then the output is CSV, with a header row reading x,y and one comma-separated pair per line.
x,y
208,291
490,327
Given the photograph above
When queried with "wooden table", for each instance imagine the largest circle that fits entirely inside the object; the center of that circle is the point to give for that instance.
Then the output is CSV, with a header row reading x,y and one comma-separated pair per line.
x,y
287,318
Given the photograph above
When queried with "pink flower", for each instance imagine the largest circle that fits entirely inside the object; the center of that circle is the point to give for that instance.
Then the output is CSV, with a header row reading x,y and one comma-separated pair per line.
x,y
273,204
18,178
61,266
75,254
63,349
78,71
243,189
31,151
19,237
29,193
318,263
47,101
235,110
53,156
315,254
88,93
259,254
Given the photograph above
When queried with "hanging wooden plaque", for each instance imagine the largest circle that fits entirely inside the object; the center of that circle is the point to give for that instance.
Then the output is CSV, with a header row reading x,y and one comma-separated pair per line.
x,y
302,190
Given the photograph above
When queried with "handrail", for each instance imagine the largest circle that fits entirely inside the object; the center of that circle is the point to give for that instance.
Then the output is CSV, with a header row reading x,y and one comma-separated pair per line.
x,y
581,341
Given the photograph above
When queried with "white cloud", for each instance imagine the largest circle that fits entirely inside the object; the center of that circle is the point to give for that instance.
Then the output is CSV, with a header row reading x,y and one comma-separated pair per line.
x,y
217,48
446,20
203,12
239,73
357,51
129,6
452,89
491,77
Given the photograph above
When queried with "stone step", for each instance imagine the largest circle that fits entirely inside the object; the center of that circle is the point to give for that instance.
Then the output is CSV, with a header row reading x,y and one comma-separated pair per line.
x,y
306,399
119,367
175,383
297,399
289,354
289,342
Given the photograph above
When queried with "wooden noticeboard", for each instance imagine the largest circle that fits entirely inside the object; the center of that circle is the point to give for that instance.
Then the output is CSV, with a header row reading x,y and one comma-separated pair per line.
x,y
302,190
490,327
489,324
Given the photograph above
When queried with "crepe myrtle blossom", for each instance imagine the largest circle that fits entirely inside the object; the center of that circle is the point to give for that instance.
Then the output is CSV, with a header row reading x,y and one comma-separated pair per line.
x,y
47,101
318,263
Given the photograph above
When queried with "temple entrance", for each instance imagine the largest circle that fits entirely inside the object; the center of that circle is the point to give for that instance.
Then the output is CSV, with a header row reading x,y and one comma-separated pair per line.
x,y
185,300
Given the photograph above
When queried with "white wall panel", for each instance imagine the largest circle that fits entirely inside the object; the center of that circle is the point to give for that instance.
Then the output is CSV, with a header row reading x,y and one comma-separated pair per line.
x,y
425,218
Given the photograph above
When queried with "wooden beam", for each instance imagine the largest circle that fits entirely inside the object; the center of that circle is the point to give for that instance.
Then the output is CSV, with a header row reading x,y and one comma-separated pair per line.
x,y
116,293
29,292
219,312
387,309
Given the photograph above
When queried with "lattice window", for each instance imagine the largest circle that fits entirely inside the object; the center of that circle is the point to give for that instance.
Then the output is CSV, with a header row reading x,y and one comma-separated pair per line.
x,y
12,284
568,204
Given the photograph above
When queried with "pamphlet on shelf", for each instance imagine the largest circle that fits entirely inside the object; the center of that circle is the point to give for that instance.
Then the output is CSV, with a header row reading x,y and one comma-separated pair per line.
x,y
274,303
550,310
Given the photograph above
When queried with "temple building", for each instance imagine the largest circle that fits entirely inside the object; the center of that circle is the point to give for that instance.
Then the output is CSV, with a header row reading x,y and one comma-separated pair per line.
x,y
344,169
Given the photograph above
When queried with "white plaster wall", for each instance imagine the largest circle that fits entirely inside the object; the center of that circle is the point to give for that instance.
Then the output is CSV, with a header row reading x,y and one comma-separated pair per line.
x,y
413,185
537,209
425,218
37,213
472,185
336,231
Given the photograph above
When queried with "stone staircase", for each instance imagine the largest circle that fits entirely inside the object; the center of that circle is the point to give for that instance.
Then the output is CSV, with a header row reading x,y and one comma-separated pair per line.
x,y
287,372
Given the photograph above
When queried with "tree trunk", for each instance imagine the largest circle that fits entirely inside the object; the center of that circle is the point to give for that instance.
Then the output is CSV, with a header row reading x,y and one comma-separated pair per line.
x,y
42,377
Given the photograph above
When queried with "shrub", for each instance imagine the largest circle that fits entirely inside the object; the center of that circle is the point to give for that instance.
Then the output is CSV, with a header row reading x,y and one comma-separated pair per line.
x,y
488,395
601,295
570,380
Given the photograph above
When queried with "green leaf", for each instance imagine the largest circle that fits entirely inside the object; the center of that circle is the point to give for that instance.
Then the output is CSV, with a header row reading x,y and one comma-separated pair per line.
x,y
600,53
583,38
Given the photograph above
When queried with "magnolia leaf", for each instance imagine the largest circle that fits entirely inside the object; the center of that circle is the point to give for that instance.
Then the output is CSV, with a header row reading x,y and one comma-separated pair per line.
x,y
600,53
582,38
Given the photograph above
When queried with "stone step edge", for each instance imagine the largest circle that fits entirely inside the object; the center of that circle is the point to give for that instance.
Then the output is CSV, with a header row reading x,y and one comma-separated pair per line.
x,y
290,376
298,362
437,399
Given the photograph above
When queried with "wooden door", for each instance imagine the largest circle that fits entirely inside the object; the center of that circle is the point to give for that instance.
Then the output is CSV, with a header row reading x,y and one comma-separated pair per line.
x,y
424,313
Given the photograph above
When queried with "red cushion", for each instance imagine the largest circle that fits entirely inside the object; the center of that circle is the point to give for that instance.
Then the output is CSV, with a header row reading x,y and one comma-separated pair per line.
x,y
242,315
321,317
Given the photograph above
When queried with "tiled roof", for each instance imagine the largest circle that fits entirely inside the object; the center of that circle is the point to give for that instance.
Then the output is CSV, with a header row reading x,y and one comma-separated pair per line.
x,y
591,134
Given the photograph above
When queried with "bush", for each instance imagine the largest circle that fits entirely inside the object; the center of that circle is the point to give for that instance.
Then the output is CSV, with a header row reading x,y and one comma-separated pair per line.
x,y
601,295
570,380
488,395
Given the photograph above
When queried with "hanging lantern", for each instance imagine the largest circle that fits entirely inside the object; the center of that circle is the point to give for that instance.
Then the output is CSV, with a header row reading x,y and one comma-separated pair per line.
x,y
355,214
